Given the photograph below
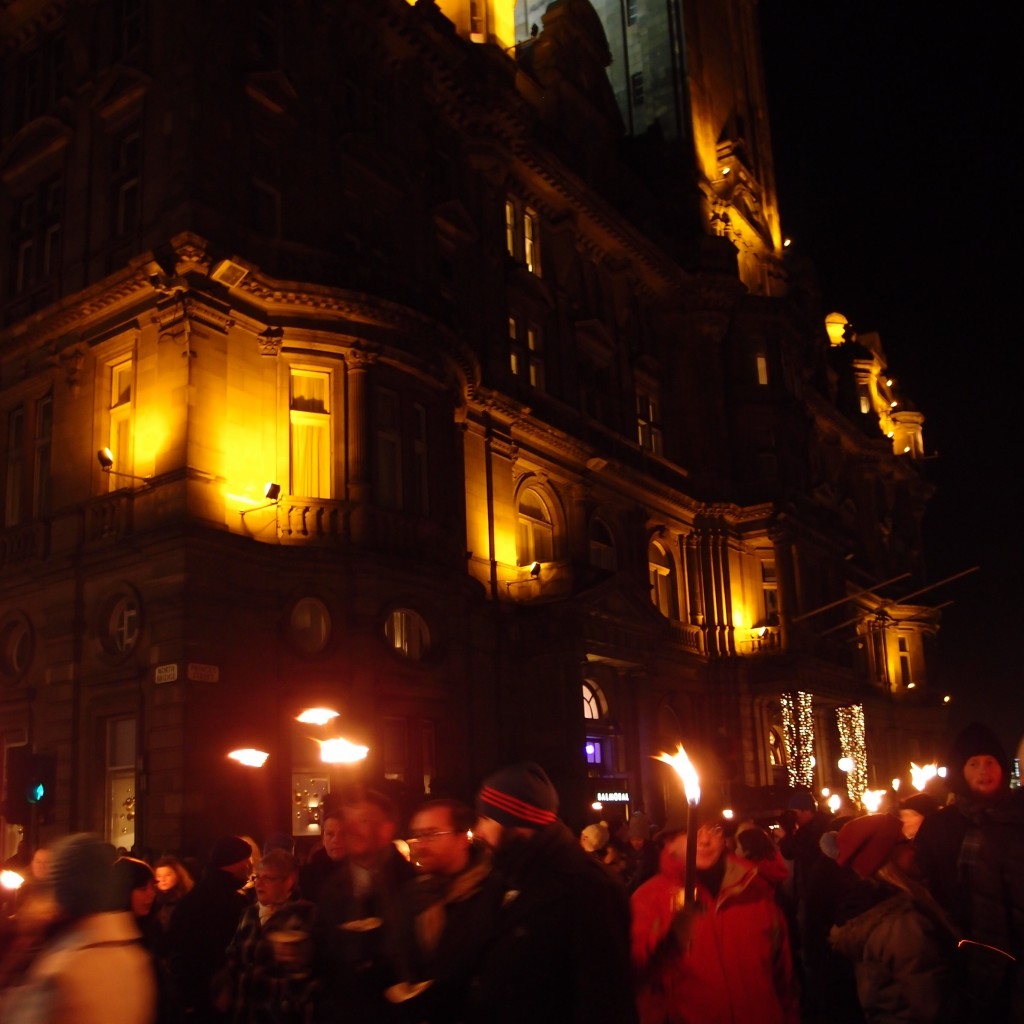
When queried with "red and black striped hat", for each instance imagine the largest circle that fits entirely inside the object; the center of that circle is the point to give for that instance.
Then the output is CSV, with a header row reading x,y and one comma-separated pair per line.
x,y
519,795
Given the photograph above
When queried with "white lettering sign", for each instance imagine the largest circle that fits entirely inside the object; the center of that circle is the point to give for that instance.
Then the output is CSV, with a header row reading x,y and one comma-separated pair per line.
x,y
165,673
203,673
613,798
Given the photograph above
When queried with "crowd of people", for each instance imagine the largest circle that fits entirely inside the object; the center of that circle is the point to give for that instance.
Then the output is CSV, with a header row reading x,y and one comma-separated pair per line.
x,y
500,913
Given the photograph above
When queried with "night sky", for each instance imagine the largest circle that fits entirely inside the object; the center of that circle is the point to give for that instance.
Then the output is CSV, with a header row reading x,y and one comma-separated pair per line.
x,y
894,126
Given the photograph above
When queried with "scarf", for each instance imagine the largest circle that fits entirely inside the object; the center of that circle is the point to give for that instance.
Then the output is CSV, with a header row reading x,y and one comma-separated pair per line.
x,y
430,921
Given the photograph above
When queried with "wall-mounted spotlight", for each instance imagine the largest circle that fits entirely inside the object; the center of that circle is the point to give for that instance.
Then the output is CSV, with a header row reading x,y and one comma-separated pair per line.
x,y
105,457
272,492
534,575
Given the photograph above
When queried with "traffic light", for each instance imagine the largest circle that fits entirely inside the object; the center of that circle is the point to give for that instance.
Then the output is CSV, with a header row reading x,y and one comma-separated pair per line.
x,y
30,784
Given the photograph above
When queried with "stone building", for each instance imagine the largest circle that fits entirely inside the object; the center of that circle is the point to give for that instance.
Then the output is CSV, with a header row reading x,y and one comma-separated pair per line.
x,y
435,382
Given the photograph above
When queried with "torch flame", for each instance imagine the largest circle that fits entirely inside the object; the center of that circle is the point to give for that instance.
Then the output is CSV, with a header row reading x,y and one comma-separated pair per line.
x,y
683,767
341,751
921,774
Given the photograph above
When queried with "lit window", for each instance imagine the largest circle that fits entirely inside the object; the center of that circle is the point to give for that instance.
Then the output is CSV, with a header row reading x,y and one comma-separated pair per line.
x,y
522,235
120,782
762,370
592,707
663,581
648,420
526,352
309,626
592,750
535,537
903,646
406,631
120,442
310,433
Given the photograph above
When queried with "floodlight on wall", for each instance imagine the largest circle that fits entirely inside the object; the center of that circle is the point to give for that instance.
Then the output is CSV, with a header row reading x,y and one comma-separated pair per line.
x,y
272,492
534,575
229,273
105,457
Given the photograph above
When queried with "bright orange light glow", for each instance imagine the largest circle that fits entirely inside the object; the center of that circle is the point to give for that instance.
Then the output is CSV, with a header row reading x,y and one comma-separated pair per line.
x,y
921,774
250,757
683,767
872,799
11,880
341,751
835,801
316,716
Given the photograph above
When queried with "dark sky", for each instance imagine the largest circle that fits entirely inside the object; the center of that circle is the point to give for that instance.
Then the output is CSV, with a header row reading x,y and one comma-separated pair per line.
x,y
895,127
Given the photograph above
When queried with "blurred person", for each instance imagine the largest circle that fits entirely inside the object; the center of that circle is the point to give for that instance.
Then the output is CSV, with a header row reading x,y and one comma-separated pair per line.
x,y
357,903
92,969
558,948
912,811
203,925
971,854
444,914
136,887
641,852
899,940
26,930
725,959
172,882
328,855
272,972
755,845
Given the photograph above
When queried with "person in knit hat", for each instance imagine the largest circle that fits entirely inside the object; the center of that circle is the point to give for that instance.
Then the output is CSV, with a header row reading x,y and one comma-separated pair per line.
x,y
204,924
641,852
558,949
900,942
93,969
971,854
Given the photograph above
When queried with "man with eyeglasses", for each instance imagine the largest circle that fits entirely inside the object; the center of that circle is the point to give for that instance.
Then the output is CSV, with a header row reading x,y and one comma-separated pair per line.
x,y
724,958
444,913
271,972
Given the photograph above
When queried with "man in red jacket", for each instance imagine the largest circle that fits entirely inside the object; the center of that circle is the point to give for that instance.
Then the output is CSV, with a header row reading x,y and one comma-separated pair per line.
x,y
725,959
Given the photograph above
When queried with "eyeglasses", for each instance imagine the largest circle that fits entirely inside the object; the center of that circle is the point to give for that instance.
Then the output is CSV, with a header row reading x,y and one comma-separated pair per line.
x,y
429,837
266,878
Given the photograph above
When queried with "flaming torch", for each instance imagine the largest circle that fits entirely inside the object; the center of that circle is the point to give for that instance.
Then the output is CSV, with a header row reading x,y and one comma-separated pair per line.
x,y
682,766
921,775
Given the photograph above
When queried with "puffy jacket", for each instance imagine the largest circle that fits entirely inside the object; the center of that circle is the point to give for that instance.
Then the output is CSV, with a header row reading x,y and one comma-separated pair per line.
x,y
737,965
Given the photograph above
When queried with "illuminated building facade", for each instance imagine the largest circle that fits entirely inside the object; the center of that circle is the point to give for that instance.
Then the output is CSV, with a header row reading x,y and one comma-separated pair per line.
x,y
566,465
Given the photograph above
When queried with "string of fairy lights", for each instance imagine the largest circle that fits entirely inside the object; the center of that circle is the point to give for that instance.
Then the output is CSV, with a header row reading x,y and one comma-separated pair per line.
x,y
798,732
850,720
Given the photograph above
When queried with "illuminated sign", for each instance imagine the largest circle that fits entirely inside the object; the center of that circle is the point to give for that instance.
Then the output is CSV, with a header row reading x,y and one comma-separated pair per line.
x,y
613,798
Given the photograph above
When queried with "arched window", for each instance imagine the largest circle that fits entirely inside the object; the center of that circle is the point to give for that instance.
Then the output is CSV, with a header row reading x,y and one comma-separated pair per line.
x,y
663,580
535,535
598,752
407,632
602,547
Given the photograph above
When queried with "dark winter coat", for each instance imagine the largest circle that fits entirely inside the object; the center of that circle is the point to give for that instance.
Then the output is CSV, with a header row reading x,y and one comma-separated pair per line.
x,y
901,954
558,952
201,929
442,931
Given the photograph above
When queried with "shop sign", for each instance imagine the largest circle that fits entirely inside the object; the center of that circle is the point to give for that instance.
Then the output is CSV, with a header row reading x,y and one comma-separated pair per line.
x,y
203,673
165,673
613,798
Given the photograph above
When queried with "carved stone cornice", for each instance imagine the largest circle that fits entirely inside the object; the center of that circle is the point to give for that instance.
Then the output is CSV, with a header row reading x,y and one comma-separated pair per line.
x,y
270,341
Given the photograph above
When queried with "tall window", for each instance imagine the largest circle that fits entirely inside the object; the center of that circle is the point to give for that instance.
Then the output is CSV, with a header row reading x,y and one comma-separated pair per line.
x,y
903,646
420,460
770,591
407,632
36,235
522,235
41,467
526,351
309,417
602,547
120,782
663,580
127,193
648,419
15,477
761,363
121,386
388,448
535,536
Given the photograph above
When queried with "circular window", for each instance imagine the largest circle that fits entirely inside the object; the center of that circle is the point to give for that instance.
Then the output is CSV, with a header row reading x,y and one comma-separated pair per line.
x,y
119,624
406,631
15,646
309,626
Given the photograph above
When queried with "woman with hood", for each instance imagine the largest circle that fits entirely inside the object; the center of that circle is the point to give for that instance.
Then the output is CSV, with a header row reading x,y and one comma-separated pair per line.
x,y
898,938
972,858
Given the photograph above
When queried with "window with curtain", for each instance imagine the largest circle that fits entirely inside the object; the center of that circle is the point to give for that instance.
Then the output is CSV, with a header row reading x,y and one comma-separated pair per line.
x,y
535,536
310,430
663,581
